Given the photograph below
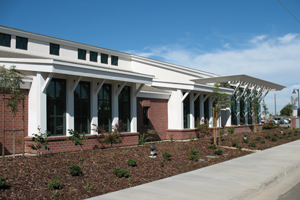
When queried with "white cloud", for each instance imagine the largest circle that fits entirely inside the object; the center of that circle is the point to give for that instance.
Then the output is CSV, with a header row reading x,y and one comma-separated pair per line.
x,y
273,59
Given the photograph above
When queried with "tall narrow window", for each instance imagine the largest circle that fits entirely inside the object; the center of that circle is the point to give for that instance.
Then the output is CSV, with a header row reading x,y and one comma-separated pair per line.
x,y
56,107
104,107
104,58
233,110
5,40
145,116
206,111
114,60
21,43
93,56
81,54
186,112
82,107
54,49
124,108
197,110
242,108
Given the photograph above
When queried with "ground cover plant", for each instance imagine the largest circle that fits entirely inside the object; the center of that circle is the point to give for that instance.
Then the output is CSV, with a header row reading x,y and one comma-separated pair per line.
x,y
98,168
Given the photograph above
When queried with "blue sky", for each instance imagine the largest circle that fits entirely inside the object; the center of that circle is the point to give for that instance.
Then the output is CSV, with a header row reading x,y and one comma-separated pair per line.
x,y
255,37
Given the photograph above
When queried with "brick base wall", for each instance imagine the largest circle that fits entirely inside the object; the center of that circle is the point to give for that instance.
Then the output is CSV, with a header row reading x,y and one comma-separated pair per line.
x,y
58,144
186,133
295,122
157,114
8,125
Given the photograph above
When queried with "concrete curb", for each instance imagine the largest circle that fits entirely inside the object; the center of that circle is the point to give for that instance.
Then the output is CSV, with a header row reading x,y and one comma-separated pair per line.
x,y
269,182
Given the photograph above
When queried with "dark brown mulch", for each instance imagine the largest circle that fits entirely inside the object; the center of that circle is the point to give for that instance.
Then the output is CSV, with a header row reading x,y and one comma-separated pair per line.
x,y
28,177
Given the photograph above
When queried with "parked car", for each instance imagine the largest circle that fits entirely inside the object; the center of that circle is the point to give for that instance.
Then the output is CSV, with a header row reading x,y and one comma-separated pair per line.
x,y
287,121
278,120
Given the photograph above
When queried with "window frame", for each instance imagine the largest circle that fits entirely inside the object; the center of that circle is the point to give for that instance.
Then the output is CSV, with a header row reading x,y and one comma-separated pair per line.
x,y
54,49
146,120
93,54
114,60
123,109
81,54
5,40
103,55
102,115
21,43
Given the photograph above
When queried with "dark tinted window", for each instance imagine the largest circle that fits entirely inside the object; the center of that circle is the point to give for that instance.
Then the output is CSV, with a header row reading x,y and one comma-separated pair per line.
x,y
81,54
54,49
21,43
93,56
114,60
5,40
104,58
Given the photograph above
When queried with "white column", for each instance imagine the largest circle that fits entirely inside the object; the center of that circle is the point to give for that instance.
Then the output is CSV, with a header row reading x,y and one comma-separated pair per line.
x,y
70,105
228,116
94,106
192,110
133,122
259,114
115,104
201,109
210,111
13,42
238,113
246,112
180,109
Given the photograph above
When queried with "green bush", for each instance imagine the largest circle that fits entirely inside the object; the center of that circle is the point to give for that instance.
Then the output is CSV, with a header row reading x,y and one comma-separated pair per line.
x,y
203,129
267,136
258,139
167,155
75,170
194,154
230,130
270,125
275,135
252,144
246,141
263,142
274,139
143,139
295,134
222,132
121,172
219,152
234,144
55,184
213,147
239,147
131,162
3,182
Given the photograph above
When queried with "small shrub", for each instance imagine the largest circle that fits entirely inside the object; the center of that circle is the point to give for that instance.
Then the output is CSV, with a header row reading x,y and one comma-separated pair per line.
x,y
55,184
72,191
296,134
121,172
172,137
143,139
191,137
275,135
3,182
252,144
219,152
270,125
230,130
246,141
239,147
129,179
162,163
222,132
75,170
41,140
267,136
213,147
203,129
131,162
80,159
258,139
263,142
124,153
284,134
234,144
167,155
5,169
274,139
88,187
281,137
194,154
76,138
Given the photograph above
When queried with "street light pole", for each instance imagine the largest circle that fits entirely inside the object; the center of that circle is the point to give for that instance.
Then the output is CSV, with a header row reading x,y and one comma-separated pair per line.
x,y
294,92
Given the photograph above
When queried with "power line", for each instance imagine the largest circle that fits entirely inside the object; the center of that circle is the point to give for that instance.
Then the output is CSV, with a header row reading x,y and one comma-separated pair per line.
x,y
288,11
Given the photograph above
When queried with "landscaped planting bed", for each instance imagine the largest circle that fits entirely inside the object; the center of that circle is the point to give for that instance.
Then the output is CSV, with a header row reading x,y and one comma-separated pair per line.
x,y
29,177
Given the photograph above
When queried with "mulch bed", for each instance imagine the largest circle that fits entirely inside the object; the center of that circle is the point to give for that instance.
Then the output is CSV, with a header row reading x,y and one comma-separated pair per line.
x,y
28,177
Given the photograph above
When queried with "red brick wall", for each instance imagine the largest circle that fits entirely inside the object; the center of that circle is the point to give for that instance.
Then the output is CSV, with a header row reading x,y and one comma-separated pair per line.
x,y
8,125
158,116
58,144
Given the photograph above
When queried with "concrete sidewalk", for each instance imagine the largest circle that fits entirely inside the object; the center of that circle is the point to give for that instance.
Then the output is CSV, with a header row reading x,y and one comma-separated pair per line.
x,y
239,178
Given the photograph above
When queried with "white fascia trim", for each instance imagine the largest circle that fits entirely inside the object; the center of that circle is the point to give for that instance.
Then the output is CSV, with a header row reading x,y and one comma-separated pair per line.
x,y
173,67
153,92
154,95
36,36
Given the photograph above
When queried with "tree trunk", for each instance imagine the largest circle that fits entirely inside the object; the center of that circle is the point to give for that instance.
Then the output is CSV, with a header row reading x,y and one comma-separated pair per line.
x,y
214,124
220,131
14,137
3,125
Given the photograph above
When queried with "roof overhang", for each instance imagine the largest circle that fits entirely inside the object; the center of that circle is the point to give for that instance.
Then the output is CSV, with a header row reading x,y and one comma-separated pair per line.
x,y
242,78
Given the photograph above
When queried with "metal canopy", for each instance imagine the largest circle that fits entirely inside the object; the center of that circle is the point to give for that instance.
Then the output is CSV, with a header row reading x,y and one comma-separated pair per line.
x,y
242,79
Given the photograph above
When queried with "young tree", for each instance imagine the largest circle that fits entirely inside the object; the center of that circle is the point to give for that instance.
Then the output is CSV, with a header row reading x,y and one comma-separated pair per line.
x,y
265,108
255,109
220,100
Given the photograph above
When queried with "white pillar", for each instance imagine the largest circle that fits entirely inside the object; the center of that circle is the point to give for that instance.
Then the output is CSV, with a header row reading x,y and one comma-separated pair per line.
x,y
133,109
115,105
180,109
238,113
201,109
246,112
70,105
210,111
94,106
228,116
192,110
